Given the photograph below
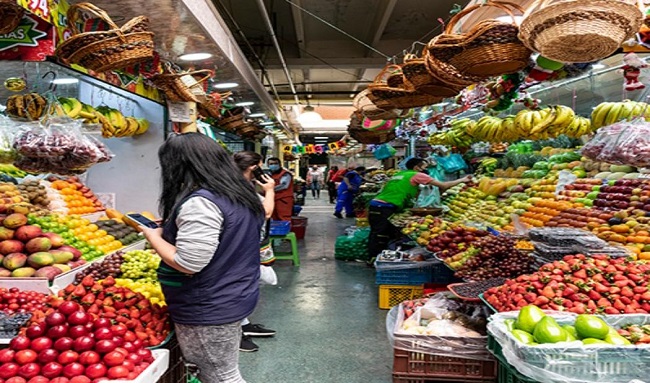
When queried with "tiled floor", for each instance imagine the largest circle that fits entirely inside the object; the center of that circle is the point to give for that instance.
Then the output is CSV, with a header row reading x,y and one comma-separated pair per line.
x,y
325,312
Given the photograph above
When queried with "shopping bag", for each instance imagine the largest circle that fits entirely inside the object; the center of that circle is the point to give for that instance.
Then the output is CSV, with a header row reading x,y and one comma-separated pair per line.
x,y
429,197
452,163
384,151
268,276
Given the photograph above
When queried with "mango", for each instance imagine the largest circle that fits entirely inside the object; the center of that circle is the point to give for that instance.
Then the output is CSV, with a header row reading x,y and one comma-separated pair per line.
x,y
61,256
36,245
48,272
23,272
27,232
40,259
56,240
14,221
14,261
6,233
4,273
63,268
11,246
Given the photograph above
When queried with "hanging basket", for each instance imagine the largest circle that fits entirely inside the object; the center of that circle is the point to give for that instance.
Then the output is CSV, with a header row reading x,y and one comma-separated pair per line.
x,y
182,87
418,77
576,31
371,137
10,15
102,51
211,107
385,96
363,104
247,130
489,48
232,119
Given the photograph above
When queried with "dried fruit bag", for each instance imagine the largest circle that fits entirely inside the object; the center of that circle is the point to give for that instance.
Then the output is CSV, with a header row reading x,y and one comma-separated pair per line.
x,y
624,143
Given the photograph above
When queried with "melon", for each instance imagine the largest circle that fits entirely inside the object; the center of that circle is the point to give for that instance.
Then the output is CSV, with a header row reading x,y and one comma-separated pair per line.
x,y
616,176
631,176
621,169
602,176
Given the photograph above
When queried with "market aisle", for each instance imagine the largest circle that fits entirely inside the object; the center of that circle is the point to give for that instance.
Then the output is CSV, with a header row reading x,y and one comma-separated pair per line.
x,y
325,311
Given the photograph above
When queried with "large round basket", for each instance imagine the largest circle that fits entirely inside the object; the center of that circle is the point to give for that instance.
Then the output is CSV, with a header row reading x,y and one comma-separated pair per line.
x,y
371,137
573,31
232,119
182,87
10,15
418,77
101,51
385,96
363,104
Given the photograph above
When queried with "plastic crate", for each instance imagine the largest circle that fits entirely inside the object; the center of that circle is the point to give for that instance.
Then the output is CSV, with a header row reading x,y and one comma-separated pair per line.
x,y
416,367
392,295
414,276
441,273
280,228
177,372
508,374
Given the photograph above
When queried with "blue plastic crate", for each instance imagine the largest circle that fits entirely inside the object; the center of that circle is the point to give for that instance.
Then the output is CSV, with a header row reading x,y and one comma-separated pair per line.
x,y
442,274
280,228
414,276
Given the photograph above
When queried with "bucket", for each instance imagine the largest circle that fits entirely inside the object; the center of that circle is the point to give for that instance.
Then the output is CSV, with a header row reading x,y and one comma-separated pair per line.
x,y
299,226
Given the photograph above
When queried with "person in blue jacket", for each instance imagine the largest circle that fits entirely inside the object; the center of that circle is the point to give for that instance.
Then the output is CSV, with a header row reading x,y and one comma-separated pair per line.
x,y
347,190
209,245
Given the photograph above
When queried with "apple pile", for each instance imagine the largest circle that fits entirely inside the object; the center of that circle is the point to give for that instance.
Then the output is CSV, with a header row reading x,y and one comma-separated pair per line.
x,y
71,346
579,284
27,251
454,241
624,194
149,322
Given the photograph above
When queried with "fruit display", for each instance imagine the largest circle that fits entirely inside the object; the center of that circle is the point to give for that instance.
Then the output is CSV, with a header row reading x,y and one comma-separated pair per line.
x,y
30,106
35,193
12,171
114,124
14,300
448,243
608,113
140,264
457,135
636,334
579,284
148,321
149,289
623,143
78,197
123,233
109,266
65,227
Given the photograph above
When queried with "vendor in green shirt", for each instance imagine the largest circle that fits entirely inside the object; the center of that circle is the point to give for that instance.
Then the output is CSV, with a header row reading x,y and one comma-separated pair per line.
x,y
398,193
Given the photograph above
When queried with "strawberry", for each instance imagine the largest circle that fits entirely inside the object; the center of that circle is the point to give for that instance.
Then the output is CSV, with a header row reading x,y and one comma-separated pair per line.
x,y
603,302
619,305
144,302
581,274
541,301
621,283
69,289
626,300
79,291
93,309
87,281
108,281
611,310
109,315
593,294
591,306
646,296
88,299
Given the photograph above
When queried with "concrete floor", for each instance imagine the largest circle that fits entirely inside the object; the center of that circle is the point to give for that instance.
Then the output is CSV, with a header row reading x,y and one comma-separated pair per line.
x,y
325,312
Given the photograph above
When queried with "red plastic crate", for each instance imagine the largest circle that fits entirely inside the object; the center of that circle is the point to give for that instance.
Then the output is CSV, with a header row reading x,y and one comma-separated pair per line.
x,y
416,367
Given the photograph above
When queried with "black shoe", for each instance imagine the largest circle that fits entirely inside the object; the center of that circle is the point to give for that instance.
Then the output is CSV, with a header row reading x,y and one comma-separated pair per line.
x,y
247,345
338,215
257,331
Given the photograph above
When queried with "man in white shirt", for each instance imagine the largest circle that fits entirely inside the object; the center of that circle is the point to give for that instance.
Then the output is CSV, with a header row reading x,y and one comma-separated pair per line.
x,y
315,181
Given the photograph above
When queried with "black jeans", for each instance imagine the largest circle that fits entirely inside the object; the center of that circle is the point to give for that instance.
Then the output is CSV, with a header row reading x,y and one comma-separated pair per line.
x,y
331,190
381,230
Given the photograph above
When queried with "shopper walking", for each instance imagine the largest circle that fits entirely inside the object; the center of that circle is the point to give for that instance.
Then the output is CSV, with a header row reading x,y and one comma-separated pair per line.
x,y
315,181
209,248
346,192
397,194
250,164
283,190
331,184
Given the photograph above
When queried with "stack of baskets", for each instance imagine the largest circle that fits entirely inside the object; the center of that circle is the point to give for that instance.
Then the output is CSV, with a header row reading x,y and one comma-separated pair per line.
x,y
10,15
101,51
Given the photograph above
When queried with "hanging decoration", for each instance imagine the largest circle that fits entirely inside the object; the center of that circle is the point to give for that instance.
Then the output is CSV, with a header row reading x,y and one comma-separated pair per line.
x,y
314,149
632,71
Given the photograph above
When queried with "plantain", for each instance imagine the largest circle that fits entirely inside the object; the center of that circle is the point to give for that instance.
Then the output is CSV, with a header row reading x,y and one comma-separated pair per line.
x,y
40,104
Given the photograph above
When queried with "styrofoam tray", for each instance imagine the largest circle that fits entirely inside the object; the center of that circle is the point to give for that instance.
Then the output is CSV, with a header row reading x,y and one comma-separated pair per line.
x,y
154,371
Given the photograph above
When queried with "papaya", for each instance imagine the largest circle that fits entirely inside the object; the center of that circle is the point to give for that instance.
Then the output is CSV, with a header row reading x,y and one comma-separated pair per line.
x,y
114,214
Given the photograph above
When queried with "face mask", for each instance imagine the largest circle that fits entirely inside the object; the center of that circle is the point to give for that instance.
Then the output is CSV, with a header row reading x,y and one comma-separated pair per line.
x,y
274,168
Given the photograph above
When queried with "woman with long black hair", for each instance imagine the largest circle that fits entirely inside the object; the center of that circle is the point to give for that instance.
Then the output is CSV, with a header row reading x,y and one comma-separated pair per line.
x,y
209,245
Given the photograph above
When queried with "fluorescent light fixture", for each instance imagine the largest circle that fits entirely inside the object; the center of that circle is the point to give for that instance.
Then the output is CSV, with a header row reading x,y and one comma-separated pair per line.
x,y
442,104
508,19
321,138
598,66
267,123
65,81
226,85
245,103
195,56
254,115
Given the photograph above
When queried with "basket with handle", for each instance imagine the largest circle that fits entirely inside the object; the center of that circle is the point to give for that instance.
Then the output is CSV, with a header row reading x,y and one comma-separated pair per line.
x,y
418,78
10,15
365,136
211,107
101,51
579,30
385,96
363,104
231,119
178,87
488,48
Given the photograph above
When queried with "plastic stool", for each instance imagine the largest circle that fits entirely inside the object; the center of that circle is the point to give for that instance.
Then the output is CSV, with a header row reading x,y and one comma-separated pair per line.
x,y
293,255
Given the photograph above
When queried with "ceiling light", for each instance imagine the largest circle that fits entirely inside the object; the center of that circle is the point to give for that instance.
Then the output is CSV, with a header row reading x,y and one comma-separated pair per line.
x,y
245,103
267,123
254,115
65,81
442,104
598,66
321,138
226,85
194,56
309,116
508,19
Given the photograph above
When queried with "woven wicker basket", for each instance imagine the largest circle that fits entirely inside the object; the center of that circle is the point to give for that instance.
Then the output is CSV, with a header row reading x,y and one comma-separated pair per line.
x,y
386,97
574,31
10,15
232,119
101,51
363,104
182,86
370,137
489,48
247,130
211,107
419,79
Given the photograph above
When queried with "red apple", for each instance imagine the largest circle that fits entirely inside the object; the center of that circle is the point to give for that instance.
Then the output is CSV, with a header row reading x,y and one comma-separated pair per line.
x,y
19,343
83,343
69,307
47,356
52,370
67,357
96,370
23,357
73,369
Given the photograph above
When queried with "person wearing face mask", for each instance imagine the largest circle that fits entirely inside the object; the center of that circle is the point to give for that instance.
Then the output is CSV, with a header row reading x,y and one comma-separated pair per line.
x,y
283,190
399,193
315,181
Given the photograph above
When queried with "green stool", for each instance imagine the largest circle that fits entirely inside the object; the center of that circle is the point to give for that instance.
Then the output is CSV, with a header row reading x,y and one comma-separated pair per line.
x,y
293,255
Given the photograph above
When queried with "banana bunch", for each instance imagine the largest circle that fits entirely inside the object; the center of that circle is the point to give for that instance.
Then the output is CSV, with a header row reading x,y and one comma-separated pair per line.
x,y
487,166
31,106
71,106
114,124
456,136
607,113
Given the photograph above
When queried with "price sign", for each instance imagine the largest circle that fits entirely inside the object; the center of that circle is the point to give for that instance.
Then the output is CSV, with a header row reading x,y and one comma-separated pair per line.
x,y
180,111
40,8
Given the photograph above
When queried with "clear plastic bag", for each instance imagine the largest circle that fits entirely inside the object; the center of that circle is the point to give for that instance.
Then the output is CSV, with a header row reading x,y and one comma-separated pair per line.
x,y
451,328
7,152
429,197
623,143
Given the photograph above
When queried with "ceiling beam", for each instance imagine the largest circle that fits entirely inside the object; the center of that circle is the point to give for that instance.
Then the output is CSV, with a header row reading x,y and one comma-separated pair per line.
x,y
299,28
338,62
379,26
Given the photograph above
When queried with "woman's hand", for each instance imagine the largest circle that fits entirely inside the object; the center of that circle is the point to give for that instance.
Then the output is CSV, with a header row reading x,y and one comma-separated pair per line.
x,y
268,185
150,233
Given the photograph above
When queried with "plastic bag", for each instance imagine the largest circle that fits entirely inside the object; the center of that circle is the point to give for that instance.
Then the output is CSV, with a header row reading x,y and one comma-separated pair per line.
x,y
384,151
623,143
429,197
452,163
443,326
571,362
268,276
354,246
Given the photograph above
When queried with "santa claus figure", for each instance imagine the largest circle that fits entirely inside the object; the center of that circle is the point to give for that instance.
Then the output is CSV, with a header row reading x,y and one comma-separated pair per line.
x,y
632,71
